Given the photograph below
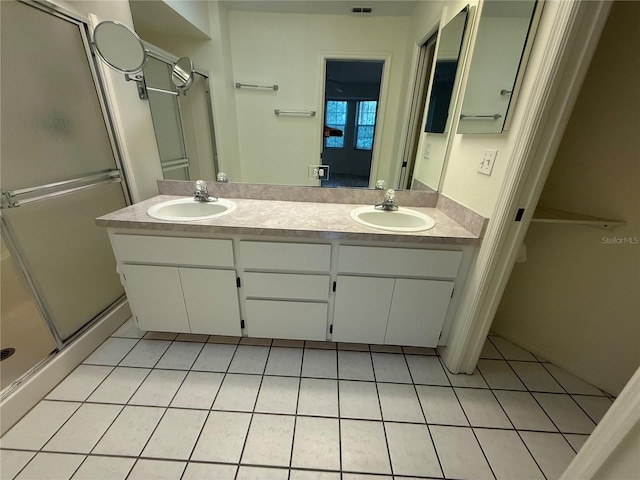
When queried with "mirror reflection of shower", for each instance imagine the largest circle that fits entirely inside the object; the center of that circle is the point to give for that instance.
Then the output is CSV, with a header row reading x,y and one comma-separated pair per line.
x,y
352,91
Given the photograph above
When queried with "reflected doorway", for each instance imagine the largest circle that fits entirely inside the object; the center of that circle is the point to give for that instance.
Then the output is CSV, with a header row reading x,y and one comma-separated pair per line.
x,y
351,100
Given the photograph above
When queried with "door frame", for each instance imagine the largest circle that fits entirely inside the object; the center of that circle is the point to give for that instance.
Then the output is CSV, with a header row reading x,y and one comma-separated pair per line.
x,y
385,58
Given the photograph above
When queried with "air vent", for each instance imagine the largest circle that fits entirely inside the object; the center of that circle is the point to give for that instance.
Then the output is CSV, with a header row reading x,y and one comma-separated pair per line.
x,y
362,10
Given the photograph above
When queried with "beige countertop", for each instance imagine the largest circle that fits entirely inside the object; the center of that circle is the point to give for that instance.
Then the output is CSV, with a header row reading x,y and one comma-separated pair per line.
x,y
291,219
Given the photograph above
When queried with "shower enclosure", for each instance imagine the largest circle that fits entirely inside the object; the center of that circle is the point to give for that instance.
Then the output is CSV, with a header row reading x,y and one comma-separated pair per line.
x,y
60,170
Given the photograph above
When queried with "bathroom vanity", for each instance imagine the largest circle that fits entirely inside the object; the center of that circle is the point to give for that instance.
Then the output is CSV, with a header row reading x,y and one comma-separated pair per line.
x,y
291,270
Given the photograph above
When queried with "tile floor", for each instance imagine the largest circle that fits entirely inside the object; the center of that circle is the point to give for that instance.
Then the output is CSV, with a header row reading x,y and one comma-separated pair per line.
x,y
166,406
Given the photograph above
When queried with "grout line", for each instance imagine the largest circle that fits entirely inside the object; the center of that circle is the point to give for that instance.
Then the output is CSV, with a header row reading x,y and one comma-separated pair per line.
x,y
384,430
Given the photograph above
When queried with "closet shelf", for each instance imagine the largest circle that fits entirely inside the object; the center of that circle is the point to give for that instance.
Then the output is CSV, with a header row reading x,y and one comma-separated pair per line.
x,y
551,215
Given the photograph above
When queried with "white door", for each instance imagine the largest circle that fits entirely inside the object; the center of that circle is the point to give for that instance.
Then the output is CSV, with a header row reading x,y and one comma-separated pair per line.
x,y
155,295
362,309
211,299
418,309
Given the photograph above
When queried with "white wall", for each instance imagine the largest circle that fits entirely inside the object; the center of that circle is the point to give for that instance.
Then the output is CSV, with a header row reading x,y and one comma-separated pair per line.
x,y
576,298
195,12
131,115
286,49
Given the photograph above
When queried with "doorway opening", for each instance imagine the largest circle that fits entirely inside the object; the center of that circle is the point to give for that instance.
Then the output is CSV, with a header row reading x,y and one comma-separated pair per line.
x,y
351,105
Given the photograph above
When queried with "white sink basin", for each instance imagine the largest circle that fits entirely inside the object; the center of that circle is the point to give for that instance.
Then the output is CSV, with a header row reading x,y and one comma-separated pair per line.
x,y
186,209
401,220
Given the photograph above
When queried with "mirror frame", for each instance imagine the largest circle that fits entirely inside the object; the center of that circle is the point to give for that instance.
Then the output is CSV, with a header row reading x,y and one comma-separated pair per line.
x,y
182,74
133,34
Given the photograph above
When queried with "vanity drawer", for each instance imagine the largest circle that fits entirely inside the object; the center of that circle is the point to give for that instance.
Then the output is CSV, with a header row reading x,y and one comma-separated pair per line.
x,y
173,250
400,262
302,257
285,285
291,320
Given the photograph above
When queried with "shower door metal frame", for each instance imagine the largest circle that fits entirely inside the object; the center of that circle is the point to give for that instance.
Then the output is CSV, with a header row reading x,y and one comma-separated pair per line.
x,y
119,175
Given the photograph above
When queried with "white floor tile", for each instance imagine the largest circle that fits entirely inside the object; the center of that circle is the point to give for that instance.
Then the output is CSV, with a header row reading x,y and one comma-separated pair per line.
x,y
214,357
319,363
399,403
510,351
104,468
313,475
595,407
359,400
222,437
316,443
180,355
498,374
176,434
427,370
111,352
120,385
524,412
440,406
51,466
507,455
12,461
571,383
238,393
284,362
39,425
202,471
80,383
564,412
158,388
129,329
490,351
278,395
269,440
576,441
354,365
318,397
130,432
411,450
364,448
258,473
390,367
551,451
145,354
474,380
157,470
536,377
198,390
459,453
83,430
482,409
249,359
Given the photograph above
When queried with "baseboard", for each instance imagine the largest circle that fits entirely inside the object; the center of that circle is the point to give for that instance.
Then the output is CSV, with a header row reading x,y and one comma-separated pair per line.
x,y
578,369
35,388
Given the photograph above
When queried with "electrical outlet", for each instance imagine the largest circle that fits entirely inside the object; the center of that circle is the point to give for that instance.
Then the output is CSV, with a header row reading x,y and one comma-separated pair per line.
x,y
426,151
319,172
487,160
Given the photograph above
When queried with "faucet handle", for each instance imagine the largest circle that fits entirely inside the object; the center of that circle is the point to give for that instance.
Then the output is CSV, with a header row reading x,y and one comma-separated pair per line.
x,y
201,186
390,196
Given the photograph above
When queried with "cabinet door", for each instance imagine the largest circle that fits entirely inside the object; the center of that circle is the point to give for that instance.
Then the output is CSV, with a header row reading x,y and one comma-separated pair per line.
x,y
211,298
155,295
417,312
362,309
293,320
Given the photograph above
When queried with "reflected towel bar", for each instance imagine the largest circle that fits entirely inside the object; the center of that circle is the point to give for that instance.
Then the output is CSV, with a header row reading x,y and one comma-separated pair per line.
x,y
250,85
494,116
299,113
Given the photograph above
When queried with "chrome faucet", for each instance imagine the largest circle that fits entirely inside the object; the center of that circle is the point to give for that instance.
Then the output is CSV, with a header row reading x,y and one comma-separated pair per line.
x,y
389,202
201,194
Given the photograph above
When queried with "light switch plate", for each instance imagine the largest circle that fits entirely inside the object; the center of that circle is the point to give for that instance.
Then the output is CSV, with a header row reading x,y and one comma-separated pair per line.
x,y
426,151
487,160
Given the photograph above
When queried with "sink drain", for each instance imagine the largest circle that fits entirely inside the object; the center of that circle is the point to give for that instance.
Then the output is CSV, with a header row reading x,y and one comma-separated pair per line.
x,y
6,353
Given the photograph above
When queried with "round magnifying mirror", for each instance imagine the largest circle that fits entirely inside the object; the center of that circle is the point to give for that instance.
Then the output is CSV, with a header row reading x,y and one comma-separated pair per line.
x,y
119,46
182,74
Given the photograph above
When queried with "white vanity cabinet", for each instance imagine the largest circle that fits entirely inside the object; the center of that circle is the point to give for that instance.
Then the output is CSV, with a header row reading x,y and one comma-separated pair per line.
x,y
395,296
186,285
286,289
